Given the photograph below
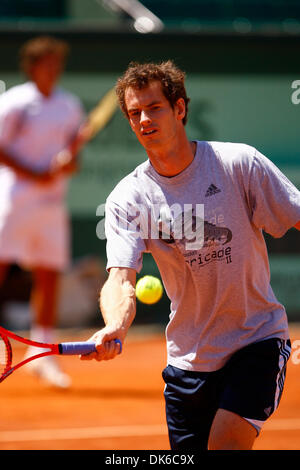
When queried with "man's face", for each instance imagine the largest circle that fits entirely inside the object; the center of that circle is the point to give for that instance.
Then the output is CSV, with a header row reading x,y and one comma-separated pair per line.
x,y
47,70
152,117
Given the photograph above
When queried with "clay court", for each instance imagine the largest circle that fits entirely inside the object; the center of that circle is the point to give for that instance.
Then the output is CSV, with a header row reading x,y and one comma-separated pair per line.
x,y
117,405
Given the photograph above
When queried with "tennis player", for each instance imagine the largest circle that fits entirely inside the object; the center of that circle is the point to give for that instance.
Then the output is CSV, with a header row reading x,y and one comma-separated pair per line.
x,y
38,121
227,338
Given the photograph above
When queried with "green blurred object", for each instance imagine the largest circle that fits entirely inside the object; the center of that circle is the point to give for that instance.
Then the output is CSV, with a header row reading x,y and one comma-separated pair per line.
x,y
285,281
242,15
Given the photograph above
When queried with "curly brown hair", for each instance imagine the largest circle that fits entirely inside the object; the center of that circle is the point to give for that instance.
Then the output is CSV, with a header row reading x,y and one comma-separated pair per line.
x,y
139,76
38,47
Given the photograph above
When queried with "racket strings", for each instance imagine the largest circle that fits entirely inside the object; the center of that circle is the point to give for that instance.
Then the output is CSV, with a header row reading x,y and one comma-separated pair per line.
x,y
5,355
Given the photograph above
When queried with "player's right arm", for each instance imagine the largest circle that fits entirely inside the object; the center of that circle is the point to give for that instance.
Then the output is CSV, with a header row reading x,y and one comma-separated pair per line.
x,y
64,163
11,117
19,168
24,171
118,308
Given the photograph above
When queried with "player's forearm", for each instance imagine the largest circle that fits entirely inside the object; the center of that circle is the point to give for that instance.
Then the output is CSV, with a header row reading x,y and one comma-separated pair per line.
x,y
19,168
118,300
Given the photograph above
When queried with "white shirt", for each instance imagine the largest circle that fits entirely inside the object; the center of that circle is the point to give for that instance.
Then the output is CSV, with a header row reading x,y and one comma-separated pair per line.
x,y
33,128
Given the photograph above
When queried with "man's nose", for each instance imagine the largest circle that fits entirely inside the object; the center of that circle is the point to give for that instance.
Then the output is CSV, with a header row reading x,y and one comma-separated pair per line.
x,y
145,118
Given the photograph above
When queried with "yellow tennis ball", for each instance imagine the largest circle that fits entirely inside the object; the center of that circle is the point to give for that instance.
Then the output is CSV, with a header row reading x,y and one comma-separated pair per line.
x,y
149,289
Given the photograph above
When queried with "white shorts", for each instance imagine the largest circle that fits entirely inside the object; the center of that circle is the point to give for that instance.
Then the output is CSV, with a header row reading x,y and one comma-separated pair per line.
x,y
36,237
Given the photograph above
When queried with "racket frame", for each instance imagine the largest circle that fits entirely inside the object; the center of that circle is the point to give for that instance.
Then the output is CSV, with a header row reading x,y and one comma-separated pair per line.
x,y
52,349
5,334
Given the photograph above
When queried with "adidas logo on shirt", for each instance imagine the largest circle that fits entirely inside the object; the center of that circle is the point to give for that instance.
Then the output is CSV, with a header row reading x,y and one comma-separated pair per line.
x,y
212,190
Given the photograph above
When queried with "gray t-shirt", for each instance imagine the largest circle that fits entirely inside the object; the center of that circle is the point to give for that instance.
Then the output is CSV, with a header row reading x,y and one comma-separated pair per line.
x,y
221,298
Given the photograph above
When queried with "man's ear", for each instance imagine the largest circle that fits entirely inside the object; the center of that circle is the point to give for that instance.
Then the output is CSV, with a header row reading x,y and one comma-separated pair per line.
x,y
180,109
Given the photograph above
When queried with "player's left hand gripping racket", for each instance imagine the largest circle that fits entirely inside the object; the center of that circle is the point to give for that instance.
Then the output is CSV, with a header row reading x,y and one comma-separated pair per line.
x,y
70,348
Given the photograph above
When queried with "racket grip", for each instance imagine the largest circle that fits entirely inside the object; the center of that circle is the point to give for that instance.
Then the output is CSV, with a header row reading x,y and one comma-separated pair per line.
x,y
81,347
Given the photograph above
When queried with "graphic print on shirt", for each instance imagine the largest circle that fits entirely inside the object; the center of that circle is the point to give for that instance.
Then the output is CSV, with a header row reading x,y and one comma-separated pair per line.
x,y
214,239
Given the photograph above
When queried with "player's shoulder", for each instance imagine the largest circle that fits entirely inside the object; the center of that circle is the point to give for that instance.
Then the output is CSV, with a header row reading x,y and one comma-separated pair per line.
x,y
232,149
130,187
232,153
18,95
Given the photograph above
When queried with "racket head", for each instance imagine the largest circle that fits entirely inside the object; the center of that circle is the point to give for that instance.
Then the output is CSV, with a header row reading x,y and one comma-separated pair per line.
x,y
7,348
5,356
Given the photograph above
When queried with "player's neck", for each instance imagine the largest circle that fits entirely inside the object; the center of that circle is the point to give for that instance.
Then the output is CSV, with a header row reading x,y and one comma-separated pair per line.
x,y
44,88
173,160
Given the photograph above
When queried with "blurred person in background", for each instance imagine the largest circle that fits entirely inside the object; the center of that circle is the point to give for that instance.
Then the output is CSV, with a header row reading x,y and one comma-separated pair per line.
x,y
39,142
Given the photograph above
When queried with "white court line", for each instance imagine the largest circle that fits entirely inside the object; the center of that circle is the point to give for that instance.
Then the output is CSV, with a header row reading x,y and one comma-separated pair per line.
x,y
118,431
83,433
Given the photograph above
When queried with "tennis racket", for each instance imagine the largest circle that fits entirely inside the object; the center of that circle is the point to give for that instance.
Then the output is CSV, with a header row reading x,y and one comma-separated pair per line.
x,y
102,113
95,121
6,351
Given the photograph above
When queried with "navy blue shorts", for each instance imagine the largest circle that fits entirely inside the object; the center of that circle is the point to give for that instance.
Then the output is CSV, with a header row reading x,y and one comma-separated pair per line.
x,y
250,385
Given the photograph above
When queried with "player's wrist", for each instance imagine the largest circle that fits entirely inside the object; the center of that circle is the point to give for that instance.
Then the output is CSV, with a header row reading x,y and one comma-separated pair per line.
x,y
115,330
64,157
